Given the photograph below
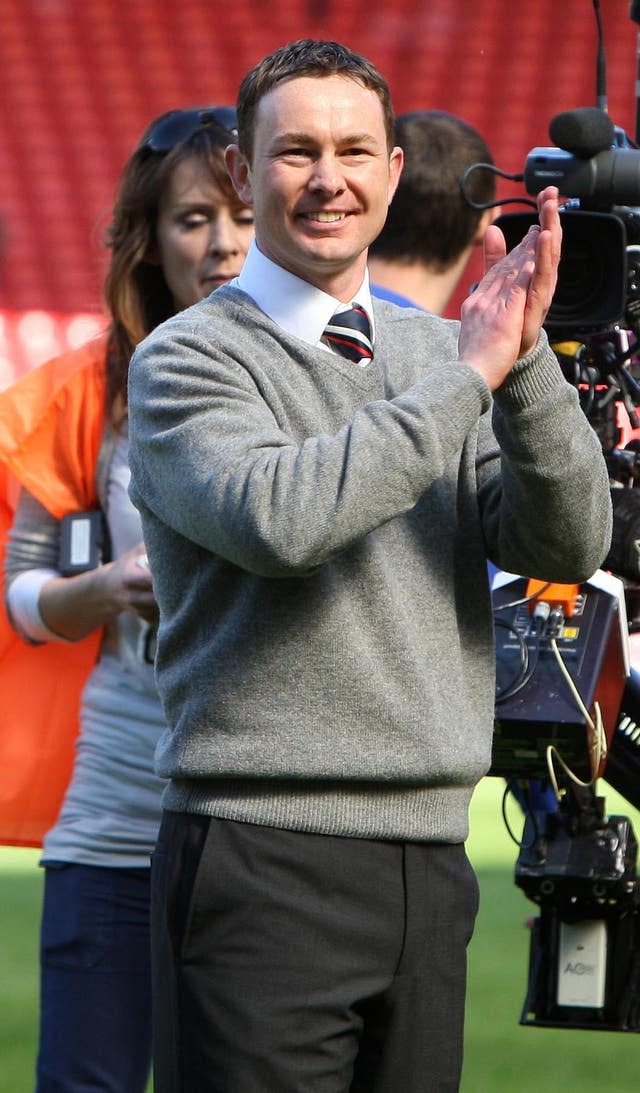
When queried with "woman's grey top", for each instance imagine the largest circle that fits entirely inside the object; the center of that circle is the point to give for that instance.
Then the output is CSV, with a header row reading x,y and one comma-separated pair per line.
x,y
111,811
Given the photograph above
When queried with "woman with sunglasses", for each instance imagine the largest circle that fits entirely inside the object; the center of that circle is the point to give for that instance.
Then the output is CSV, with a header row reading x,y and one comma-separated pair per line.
x,y
178,232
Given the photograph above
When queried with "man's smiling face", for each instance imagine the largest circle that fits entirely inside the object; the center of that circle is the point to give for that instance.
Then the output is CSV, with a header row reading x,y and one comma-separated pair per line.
x,y
320,179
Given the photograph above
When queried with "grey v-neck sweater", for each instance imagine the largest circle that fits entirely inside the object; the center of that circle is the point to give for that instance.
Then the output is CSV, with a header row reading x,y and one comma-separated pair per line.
x,y
318,535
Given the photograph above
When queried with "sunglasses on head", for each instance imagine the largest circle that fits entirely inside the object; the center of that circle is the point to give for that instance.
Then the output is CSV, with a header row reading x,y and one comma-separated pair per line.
x,y
180,125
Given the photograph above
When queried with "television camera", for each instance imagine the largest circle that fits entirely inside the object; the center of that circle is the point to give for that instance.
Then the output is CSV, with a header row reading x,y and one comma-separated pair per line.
x,y
567,707
594,319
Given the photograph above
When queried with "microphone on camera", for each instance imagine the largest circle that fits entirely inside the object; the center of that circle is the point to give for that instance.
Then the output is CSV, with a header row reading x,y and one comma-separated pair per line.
x,y
583,132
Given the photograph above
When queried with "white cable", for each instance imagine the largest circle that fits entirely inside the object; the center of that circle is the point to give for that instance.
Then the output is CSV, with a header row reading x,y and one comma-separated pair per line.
x,y
598,746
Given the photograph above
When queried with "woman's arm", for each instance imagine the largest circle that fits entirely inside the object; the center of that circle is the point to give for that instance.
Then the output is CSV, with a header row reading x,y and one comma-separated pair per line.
x,y
43,605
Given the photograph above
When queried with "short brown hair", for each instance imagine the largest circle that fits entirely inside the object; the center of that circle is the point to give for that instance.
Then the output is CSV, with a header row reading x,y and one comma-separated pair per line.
x,y
429,220
306,57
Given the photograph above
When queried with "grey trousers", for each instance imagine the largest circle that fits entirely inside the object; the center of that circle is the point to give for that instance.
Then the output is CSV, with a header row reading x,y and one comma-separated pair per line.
x,y
286,962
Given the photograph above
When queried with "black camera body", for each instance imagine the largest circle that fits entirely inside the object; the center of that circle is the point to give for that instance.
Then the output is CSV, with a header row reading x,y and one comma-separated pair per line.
x,y
599,172
597,279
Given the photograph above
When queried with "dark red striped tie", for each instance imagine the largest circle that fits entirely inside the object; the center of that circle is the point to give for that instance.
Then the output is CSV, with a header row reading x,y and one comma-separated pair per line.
x,y
349,333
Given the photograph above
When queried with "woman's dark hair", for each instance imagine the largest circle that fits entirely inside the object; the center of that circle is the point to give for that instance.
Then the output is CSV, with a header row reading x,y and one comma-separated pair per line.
x,y
135,289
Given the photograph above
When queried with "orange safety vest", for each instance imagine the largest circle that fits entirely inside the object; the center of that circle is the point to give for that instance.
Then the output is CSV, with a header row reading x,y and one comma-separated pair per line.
x,y
51,425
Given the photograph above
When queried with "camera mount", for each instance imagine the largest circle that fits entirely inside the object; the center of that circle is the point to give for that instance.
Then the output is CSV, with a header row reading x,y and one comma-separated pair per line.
x,y
580,868
554,668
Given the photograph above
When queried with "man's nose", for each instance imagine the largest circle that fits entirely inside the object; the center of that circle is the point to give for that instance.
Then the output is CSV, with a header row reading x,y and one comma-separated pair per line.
x,y
327,175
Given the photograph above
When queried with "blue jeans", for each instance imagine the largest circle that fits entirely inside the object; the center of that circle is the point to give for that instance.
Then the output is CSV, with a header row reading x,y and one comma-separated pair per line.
x,y
95,1004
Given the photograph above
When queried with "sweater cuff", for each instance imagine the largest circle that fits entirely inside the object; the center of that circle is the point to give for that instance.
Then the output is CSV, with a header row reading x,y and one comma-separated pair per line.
x,y
531,378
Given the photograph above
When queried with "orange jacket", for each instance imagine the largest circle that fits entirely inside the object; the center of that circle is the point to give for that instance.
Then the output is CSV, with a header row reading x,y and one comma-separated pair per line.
x,y
51,425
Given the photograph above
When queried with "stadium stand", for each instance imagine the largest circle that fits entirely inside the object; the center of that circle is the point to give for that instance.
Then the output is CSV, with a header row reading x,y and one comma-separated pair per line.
x,y
79,80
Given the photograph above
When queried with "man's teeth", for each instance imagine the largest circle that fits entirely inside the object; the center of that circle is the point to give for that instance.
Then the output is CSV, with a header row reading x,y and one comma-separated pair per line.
x,y
327,218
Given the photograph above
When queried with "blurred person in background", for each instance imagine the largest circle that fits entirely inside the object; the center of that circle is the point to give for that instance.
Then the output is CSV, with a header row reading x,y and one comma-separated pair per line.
x,y
179,231
431,230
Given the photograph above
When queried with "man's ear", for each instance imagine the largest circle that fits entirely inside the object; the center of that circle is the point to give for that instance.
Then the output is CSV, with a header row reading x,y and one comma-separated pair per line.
x,y
396,160
239,173
487,218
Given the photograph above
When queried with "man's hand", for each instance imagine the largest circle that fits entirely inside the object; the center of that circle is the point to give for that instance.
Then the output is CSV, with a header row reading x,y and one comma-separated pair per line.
x,y
501,320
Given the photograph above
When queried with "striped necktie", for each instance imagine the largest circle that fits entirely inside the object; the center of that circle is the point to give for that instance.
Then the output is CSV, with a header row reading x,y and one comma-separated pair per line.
x,y
349,333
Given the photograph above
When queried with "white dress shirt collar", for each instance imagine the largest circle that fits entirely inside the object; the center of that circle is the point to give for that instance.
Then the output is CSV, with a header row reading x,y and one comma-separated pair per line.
x,y
298,307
